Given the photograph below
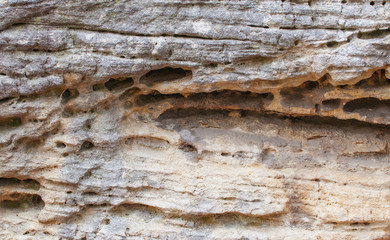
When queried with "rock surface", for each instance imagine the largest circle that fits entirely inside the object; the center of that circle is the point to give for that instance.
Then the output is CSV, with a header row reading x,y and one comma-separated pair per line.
x,y
194,119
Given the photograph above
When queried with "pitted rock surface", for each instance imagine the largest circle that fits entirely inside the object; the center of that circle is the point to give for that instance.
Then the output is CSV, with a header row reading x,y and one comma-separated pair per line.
x,y
194,119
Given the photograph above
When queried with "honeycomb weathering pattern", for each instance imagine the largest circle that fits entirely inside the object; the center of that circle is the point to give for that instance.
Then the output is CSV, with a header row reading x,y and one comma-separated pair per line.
x,y
194,119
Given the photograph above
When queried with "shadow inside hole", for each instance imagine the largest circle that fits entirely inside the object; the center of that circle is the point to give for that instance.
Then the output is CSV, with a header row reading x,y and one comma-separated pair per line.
x,y
69,94
118,84
163,75
87,145
25,201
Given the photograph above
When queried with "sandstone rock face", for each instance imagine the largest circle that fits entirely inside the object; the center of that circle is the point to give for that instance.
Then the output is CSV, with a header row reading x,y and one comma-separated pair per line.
x,y
194,119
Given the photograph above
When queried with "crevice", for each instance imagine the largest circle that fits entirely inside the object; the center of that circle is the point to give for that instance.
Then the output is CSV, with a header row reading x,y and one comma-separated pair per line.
x,y
181,113
7,99
164,75
378,33
225,99
196,220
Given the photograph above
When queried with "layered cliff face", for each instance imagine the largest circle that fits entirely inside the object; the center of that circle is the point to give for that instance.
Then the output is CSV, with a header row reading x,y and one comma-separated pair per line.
x,y
194,119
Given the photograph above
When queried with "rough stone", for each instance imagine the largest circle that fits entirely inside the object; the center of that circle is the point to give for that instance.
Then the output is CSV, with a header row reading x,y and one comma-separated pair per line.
x,y
194,119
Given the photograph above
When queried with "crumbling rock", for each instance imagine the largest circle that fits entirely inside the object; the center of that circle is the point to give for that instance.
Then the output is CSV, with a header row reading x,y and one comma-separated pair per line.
x,y
194,119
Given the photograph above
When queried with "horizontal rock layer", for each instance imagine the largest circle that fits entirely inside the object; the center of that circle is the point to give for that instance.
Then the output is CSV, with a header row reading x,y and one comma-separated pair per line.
x,y
194,119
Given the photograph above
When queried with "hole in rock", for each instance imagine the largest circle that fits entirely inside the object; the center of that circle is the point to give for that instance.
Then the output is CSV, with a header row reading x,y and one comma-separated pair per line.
x,y
90,193
212,65
331,104
23,202
60,145
332,44
118,84
155,96
377,79
379,33
164,75
242,154
186,147
129,141
69,94
366,103
15,195
225,99
98,87
128,94
150,142
11,122
127,97
300,96
6,99
26,184
87,145
370,108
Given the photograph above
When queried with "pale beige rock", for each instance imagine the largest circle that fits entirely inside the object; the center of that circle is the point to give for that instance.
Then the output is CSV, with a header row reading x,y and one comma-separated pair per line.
x,y
194,119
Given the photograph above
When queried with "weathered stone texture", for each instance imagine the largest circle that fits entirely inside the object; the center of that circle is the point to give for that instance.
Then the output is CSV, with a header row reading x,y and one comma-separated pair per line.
x,y
194,119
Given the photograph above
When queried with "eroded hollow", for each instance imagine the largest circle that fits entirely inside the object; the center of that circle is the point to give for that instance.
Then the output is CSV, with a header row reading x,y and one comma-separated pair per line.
x,y
379,33
205,126
225,99
301,96
331,104
378,79
87,145
22,202
10,122
127,97
187,147
369,107
164,75
149,142
26,184
69,94
118,84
